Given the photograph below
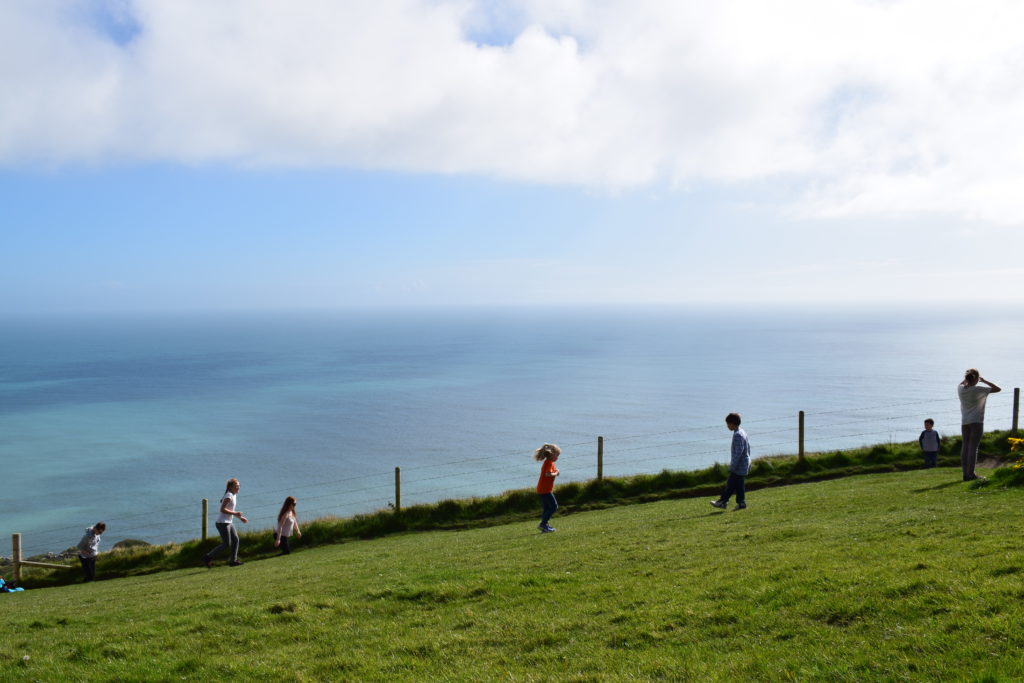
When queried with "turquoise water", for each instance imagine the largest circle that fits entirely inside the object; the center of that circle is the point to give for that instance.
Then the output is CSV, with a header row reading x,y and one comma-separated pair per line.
x,y
133,420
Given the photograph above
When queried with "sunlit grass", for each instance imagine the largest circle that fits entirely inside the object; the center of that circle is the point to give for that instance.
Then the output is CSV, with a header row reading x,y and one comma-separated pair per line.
x,y
519,505
908,575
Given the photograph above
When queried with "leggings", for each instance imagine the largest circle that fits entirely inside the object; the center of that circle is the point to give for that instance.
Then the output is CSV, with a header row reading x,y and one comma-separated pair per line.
x,y
229,539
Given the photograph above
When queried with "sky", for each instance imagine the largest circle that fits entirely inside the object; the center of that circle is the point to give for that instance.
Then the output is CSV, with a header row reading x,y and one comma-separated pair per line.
x,y
178,155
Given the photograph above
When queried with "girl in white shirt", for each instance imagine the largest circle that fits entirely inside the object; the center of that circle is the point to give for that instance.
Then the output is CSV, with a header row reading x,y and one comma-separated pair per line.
x,y
286,523
228,535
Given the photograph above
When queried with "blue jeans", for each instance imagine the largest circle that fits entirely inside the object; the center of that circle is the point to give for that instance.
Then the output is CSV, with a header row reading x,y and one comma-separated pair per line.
x,y
549,505
737,484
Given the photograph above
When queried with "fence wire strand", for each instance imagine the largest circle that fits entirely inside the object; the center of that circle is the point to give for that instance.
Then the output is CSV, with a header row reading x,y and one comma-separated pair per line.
x,y
830,436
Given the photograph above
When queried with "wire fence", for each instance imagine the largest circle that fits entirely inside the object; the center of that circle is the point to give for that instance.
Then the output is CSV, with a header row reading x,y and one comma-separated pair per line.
x,y
689,447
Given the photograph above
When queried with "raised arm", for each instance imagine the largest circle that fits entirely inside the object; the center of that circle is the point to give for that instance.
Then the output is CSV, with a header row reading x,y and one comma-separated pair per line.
x,y
993,387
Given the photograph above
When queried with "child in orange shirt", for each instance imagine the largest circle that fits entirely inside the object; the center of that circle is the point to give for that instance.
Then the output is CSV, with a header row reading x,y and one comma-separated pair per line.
x,y
549,453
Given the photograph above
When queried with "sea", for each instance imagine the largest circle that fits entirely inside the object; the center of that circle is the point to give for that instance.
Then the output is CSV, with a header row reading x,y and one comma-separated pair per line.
x,y
135,419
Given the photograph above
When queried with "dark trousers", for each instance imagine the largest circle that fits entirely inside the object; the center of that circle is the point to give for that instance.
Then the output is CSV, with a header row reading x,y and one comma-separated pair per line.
x,y
286,548
931,458
969,451
228,538
737,484
88,567
548,505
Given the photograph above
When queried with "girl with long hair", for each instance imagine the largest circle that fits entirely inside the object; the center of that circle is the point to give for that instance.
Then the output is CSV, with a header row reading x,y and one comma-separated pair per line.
x,y
287,522
228,535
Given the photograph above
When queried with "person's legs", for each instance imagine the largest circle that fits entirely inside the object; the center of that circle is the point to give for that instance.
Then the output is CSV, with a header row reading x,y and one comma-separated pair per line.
x,y
730,488
971,434
549,506
285,546
222,529
741,489
88,567
233,539
931,459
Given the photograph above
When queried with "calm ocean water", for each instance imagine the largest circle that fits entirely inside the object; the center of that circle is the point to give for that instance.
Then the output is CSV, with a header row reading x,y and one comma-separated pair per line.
x,y
133,420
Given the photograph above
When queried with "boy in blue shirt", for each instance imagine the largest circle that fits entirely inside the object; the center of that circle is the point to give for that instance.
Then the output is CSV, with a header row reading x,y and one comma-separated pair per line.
x,y
739,465
929,441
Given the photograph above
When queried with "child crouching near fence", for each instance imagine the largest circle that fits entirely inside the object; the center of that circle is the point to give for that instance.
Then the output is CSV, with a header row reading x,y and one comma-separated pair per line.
x,y
89,548
549,453
287,522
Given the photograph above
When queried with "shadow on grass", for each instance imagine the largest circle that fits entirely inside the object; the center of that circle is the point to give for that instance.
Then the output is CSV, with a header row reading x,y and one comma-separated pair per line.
x,y
937,487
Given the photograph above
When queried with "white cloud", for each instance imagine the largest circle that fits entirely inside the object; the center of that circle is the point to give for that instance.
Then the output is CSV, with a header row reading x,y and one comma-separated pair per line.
x,y
871,108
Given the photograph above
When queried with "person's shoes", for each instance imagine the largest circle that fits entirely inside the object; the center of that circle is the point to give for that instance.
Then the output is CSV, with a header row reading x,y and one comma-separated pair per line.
x,y
975,476
551,528
740,506
235,563
720,504
545,529
208,562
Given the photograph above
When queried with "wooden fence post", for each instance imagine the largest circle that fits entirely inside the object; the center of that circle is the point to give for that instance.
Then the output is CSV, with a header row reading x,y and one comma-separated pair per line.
x,y
398,489
20,562
1016,407
801,450
600,458
206,514
16,552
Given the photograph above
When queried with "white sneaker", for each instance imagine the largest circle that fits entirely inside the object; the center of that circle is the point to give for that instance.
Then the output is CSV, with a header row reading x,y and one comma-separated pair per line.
x,y
719,504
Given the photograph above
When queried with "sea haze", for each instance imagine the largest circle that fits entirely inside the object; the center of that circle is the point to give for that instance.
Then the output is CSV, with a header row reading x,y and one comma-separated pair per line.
x,y
133,420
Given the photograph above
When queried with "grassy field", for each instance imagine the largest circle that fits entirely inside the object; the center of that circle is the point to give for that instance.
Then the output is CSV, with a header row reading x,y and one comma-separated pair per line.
x,y
519,505
910,575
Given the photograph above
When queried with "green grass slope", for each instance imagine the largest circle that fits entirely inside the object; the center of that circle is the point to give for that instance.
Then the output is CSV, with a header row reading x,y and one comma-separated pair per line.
x,y
909,575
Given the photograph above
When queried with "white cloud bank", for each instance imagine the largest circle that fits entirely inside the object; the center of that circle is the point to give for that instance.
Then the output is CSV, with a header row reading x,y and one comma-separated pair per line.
x,y
864,107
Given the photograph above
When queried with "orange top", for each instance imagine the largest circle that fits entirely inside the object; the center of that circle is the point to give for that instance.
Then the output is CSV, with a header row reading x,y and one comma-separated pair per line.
x,y
546,484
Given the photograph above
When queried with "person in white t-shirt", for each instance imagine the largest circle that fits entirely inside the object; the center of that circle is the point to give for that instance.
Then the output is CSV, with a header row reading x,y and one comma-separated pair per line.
x,y
228,535
972,418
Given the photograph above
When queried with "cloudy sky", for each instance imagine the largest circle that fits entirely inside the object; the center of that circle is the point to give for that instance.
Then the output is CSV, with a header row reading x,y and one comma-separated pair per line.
x,y
188,154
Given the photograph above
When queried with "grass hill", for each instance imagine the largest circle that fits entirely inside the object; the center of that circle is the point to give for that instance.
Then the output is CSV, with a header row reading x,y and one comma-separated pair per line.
x,y
905,575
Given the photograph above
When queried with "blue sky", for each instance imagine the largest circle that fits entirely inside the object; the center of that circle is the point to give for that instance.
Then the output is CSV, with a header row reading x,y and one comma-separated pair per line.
x,y
186,156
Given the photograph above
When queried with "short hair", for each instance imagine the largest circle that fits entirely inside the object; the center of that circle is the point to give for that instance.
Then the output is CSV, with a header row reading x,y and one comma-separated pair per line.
x,y
733,419
231,481
99,527
971,374
929,421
